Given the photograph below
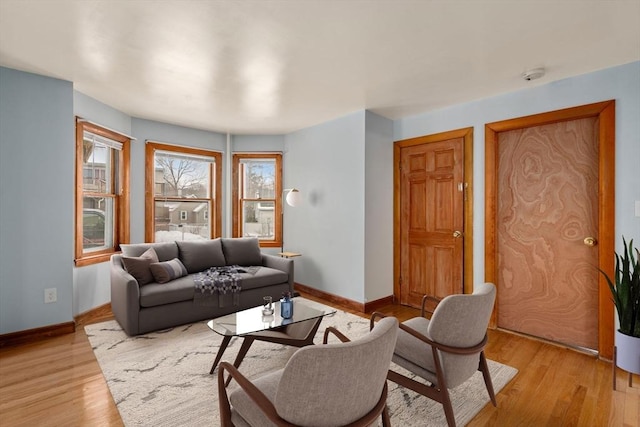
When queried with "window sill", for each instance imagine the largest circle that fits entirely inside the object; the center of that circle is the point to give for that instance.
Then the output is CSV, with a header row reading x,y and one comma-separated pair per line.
x,y
93,259
270,244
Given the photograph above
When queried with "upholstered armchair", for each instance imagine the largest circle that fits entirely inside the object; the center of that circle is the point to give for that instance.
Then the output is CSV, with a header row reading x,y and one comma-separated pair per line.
x,y
325,385
447,349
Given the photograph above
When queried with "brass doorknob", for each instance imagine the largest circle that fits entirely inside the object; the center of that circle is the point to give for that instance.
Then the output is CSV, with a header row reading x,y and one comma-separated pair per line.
x,y
457,234
590,241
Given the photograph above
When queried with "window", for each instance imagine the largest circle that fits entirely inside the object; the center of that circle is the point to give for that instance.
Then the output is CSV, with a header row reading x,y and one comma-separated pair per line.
x,y
102,192
183,193
257,197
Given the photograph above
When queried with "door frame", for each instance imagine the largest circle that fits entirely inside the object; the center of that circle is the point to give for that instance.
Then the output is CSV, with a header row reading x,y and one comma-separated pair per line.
x,y
605,112
467,135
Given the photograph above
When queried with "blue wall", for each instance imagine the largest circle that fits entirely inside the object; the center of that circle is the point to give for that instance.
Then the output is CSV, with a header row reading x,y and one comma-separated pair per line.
x,y
253,143
93,110
344,230
326,163
378,217
37,147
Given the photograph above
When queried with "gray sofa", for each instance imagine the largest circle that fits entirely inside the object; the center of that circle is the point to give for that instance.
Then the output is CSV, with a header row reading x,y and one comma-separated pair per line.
x,y
150,290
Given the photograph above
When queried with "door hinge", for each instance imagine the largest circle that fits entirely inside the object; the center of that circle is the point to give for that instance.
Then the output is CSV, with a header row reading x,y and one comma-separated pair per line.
x,y
463,187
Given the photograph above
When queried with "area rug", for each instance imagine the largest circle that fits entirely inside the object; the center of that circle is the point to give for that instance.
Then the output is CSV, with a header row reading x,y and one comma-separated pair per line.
x,y
162,378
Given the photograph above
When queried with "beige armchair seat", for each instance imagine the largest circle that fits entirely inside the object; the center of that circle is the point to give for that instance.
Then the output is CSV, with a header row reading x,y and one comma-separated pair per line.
x,y
447,349
321,385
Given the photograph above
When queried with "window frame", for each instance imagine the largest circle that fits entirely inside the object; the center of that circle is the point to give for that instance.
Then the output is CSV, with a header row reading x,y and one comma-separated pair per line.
x,y
215,196
237,211
121,195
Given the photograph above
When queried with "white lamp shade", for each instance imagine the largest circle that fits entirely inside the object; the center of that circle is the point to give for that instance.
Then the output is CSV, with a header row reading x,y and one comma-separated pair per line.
x,y
293,198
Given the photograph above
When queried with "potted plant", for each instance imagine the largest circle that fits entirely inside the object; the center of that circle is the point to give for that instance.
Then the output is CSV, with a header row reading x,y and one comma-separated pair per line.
x,y
626,297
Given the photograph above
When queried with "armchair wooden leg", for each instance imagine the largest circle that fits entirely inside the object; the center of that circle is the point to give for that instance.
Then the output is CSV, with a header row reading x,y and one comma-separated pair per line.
x,y
438,393
386,420
448,409
484,368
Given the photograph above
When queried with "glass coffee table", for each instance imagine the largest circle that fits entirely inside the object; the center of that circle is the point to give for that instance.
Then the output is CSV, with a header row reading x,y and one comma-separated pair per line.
x,y
251,325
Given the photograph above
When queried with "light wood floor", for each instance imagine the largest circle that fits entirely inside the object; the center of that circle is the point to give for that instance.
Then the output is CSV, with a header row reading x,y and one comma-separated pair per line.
x,y
58,382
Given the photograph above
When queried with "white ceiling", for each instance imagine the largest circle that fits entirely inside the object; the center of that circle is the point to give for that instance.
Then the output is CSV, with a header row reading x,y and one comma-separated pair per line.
x,y
269,67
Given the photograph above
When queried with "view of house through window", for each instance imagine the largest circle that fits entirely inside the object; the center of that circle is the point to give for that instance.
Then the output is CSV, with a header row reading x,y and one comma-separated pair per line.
x,y
101,192
257,197
184,193
99,167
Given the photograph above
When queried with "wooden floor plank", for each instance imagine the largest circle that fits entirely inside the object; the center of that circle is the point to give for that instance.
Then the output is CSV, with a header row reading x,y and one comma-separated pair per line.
x,y
58,381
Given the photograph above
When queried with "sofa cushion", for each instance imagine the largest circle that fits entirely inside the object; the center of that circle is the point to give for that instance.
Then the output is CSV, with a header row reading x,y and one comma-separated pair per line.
x,y
198,255
167,271
265,276
165,250
242,251
155,294
138,267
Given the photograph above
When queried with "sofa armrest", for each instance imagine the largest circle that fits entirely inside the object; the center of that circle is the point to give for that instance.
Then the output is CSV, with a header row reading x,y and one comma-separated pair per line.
x,y
125,296
282,264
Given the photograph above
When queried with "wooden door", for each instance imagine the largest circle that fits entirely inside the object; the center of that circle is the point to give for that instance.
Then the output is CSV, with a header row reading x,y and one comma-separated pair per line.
x,y
431,211
547,207
553,254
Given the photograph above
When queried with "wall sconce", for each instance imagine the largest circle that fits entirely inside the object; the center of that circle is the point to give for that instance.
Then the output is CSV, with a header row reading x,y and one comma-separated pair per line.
x,y
293,197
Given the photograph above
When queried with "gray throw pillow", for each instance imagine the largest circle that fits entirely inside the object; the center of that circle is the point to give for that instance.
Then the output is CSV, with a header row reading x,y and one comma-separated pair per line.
x,y
166,271
198,255
164,250
138,267
242,251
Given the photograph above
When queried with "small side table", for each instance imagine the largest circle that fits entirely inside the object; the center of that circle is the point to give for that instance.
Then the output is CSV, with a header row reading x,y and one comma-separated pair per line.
x,y
289,254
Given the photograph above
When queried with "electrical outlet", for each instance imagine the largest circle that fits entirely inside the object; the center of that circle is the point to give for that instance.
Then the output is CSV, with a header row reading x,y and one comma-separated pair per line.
x,y
50,295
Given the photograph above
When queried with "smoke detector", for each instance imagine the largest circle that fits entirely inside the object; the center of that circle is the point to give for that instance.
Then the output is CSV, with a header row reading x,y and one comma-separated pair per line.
x,y
534,73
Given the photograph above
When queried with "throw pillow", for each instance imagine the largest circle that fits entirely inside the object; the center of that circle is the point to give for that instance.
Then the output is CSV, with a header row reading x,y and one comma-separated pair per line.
x,y
198,255
138,267
166,271
165,250
242,251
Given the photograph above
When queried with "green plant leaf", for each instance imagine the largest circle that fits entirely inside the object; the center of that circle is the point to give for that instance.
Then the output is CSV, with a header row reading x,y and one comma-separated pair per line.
x,y
626,289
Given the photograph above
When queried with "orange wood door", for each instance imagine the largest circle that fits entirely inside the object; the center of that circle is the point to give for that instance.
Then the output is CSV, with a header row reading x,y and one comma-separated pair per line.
x,y
431,210
547,205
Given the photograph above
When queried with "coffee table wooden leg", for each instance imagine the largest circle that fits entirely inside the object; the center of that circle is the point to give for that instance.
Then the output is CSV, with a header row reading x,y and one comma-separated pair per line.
x,y
223,347
312,332
246,344
244,348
